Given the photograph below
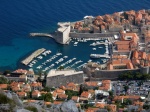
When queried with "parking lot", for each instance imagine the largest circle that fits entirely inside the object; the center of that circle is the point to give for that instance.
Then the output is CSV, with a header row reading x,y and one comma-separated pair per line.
x,y
141,88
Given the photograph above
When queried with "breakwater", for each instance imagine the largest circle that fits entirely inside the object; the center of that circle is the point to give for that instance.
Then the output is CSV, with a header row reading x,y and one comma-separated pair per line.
x,y
32,56
41,34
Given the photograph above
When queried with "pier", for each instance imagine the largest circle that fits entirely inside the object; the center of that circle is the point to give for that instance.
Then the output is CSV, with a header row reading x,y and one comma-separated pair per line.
x,y
32,56
41,35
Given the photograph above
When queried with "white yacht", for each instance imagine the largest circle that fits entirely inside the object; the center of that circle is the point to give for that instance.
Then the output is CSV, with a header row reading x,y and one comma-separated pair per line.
x,y
94,48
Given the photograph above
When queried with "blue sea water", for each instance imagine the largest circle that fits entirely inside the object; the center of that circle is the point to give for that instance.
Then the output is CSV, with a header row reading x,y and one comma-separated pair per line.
x,y
19,18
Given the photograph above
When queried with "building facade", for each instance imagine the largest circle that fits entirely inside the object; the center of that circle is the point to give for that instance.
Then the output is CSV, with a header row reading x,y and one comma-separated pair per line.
x,y
58,78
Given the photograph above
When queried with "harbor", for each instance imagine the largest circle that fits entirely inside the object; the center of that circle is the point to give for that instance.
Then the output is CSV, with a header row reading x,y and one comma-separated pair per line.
x,y
49,59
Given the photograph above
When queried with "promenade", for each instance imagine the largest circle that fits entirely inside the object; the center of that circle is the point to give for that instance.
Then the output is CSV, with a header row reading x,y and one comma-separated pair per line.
x,y
32,56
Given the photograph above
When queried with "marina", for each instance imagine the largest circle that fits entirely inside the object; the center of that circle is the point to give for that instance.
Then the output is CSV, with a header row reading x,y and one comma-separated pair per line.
x,y
49,59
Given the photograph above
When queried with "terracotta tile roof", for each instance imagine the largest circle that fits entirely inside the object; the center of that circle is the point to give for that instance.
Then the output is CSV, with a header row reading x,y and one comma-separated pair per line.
x,y
59,91
57,102
129,65
14,84
62,87
62,96
125,61
123,47
22,94
36,84
15,88
90,109
138,103
135,97
132,12
143,55
75,98
110,67
71,86
106,81
35,93
105,85
122,42
112,107
100,105
85,94
135,61
91,91
47,103
20,71
116,62
26,88
30,72
135,54
119,56
91,83
3,86
43,92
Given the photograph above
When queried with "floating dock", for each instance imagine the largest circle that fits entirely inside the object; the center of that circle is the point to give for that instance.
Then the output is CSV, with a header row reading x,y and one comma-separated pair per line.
x,y
32,56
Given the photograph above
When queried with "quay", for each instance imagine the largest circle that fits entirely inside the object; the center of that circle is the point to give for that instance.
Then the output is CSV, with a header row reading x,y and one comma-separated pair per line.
x,y
32,56
41,35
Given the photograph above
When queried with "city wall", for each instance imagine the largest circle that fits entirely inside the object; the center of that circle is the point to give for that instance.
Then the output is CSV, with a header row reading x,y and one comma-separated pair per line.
x,y
110,74
91,35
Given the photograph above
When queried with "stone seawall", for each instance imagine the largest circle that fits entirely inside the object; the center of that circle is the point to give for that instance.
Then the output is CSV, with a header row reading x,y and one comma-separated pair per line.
x,y
91,35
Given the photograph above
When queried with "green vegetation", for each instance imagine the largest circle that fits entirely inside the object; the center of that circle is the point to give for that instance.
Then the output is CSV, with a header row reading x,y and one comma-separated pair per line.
x,y
3,80
46,89
61,67
84,25
133,76
6,72
146,107
82,88
31,108
86,106
71,93
126,88
5,100
124,104
48,97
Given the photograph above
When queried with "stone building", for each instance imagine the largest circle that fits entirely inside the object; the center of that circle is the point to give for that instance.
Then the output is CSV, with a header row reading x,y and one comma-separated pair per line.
x,y
56,78
62,34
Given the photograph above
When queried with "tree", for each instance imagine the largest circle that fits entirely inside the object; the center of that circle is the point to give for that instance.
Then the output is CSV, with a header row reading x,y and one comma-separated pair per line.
x,y
46,89
61,67
48,97
127,101
83,88
6,72
126,88
71,93
111,93
146,107
3,80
